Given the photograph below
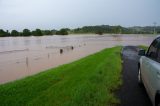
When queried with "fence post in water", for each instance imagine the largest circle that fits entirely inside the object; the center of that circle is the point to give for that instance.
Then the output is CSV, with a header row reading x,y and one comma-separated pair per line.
x,y
61,51
72,47
27,63
48,55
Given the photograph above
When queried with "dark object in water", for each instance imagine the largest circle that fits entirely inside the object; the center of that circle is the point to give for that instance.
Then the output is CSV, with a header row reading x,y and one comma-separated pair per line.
x,y
99,33
72,47
61,51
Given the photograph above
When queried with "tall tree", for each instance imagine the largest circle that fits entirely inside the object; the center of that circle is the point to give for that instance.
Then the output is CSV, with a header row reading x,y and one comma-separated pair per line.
x,y
15,33
26,32
2,33
63,31
47,32
37,32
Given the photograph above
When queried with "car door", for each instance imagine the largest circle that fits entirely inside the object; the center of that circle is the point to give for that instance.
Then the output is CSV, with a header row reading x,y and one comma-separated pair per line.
x,y
153,68
158,70
148,68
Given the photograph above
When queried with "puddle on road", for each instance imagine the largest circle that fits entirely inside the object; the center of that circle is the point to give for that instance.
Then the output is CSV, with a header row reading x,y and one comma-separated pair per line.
x,y
24,56
130,53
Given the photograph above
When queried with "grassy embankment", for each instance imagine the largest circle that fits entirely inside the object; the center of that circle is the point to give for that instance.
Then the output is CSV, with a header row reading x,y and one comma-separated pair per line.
x,y
90,81
143,47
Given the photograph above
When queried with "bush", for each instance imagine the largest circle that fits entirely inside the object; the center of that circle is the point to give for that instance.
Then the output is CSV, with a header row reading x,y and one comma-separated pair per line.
x,y
62,32
3,33
37,32
26,32
15,33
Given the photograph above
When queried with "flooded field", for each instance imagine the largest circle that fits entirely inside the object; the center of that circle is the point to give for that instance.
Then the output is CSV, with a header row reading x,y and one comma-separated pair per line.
x,y
24,56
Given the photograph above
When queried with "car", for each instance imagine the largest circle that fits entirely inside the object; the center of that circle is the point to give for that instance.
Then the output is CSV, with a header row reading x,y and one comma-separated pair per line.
x,y
149,71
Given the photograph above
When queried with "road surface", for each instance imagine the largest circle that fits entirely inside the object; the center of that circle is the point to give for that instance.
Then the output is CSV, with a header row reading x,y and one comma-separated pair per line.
x,y
130,93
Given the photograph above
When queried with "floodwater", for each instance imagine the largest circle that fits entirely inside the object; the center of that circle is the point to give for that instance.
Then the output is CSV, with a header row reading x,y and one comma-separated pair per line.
x,y
25,56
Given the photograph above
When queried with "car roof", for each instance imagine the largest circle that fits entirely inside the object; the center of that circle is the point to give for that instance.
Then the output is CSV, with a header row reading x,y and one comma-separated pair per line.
x,y
158,36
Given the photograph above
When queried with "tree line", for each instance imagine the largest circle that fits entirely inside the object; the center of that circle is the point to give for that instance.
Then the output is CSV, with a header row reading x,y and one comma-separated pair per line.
x,y
37,32
117,29
101,29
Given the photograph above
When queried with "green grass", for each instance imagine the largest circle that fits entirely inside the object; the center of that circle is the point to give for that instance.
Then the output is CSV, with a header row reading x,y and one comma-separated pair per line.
x,y
143,47
90,81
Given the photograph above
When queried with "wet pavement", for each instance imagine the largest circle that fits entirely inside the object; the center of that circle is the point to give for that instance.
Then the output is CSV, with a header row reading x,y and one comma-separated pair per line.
x,y
131,94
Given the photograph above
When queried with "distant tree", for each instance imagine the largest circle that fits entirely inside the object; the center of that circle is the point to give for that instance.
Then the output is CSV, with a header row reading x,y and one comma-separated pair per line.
x,y
15,33
37,32
47,32
7,33
2,33
67,29
117,29
26,32
63,31
77,30
53,31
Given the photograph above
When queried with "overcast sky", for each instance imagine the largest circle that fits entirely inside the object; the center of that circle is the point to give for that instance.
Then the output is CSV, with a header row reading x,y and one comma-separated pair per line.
x,y
55,14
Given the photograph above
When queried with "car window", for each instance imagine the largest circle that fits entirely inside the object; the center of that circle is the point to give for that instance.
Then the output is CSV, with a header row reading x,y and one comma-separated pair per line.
x,y
158,49
152,52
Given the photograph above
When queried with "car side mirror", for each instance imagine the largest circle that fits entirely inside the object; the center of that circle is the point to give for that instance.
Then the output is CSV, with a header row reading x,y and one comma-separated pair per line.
x,y
141,52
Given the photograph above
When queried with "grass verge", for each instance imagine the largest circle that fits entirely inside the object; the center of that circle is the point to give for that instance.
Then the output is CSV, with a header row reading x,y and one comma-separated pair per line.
x,y
143,47
90,81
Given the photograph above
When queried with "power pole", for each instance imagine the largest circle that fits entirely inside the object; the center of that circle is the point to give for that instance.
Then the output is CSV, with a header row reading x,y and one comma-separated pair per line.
x,y
154,27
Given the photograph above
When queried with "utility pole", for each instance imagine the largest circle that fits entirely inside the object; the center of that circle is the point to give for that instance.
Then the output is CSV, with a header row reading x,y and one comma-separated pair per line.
x,y
154,27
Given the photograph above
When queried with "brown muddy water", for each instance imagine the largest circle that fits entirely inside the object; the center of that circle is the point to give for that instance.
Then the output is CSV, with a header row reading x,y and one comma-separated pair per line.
x,y
25,56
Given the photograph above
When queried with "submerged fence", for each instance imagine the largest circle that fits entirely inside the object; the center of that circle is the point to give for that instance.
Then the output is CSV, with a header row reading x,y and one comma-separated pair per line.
x,y
35,61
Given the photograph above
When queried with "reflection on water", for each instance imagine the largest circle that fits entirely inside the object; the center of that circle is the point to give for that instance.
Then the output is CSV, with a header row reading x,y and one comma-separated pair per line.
x,y
23,56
